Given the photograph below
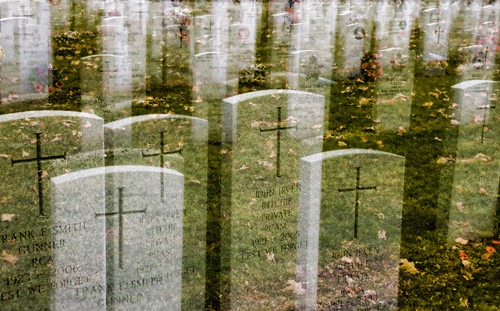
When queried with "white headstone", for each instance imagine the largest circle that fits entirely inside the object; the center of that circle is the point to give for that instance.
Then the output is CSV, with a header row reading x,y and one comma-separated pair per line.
x,y
127,251
350,224
263,138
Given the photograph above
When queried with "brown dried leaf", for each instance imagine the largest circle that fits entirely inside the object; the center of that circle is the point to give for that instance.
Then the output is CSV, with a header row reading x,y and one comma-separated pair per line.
x,y
244,168
266,164
68,122
8,217
10,258
5,156
57,138
296,287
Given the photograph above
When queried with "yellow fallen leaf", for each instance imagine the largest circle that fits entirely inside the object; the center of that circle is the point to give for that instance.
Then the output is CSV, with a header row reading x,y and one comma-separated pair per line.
x,y
408,266
194,181
25,154
244,168
3,155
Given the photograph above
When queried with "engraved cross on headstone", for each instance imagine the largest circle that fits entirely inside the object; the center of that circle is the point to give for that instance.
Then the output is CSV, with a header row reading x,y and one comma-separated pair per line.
x,y
356,190
162,158
39,160
438,31
485,108
278,130
120,213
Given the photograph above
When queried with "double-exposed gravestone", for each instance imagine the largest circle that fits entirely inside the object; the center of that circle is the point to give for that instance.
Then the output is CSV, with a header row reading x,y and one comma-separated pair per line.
x,y
122,243
35,147
396,63
474,191
180,143
264,135
106,85
350,225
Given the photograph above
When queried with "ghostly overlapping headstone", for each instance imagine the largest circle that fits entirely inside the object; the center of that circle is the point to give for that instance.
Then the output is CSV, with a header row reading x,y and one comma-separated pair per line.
x,y
263,138
310,65
350,224
35,147
10,69
479,57
137,15
357,25
180,143
286,26
35,59
476,169
106,85
394,87
26,64
215,72
243,33
436,27
123,243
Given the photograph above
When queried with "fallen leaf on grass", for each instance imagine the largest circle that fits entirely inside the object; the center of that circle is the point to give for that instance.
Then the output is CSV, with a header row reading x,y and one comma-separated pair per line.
x,y
408,266
464,302
266,164
3,155
296,287
270,257
460,240
244,168
8,217
490,250
10,258
194,181
68,122
382,235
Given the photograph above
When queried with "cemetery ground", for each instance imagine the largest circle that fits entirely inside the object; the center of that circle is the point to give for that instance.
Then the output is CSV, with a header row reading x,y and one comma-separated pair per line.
x,y
434,274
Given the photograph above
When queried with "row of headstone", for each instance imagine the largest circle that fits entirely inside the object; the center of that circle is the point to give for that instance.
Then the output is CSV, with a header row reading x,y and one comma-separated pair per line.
x,y
260,248
471,208
131,235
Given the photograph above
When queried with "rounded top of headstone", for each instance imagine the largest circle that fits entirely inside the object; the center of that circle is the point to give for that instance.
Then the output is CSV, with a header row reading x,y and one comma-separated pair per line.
x,y
136,119
318,157
46,113
470,83
247,96
112,170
